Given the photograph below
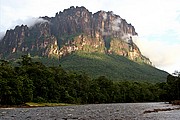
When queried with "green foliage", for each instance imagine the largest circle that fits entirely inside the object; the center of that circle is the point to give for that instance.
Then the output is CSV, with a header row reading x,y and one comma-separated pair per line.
x,y
26,60
35,82
10,86
39,100
112,66
173,87
67,37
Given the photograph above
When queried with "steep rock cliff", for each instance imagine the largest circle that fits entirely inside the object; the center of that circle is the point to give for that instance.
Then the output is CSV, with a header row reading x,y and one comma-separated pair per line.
x,y
74,29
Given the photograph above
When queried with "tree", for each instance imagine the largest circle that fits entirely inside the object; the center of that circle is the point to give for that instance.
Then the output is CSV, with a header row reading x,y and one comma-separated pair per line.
x,y
174,86
176,73
25,60
10,86
27,88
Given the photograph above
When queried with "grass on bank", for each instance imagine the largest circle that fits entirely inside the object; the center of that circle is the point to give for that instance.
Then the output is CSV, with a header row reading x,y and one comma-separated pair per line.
x,y
32,104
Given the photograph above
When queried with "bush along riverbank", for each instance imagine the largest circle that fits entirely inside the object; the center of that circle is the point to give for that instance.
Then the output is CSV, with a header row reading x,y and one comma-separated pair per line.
x,y
34,82
175,102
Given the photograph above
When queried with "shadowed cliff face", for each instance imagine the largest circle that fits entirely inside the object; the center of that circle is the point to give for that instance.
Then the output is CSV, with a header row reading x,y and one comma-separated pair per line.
x,y
74,29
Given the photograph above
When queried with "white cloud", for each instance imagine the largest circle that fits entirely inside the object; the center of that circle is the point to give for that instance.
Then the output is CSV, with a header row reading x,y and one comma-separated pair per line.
x,y
1,35
30,21
116,24
156,21
105,16
162,54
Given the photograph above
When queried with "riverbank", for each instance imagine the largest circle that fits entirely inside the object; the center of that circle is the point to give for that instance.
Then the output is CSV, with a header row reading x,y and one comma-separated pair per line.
x,y
32,104
175,102
159,110
123,111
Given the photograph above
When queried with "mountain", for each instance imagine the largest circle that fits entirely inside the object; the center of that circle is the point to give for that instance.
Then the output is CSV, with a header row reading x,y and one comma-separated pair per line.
x,y
71,30
114,67
75,30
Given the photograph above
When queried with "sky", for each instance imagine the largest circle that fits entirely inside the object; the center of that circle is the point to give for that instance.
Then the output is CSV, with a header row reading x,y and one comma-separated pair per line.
x,y
157,22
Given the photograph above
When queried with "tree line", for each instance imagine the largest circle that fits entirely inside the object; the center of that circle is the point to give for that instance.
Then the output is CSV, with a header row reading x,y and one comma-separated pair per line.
x,y
34,82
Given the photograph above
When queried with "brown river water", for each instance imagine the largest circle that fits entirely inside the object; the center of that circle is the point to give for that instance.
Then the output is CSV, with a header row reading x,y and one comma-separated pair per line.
x,y
117,111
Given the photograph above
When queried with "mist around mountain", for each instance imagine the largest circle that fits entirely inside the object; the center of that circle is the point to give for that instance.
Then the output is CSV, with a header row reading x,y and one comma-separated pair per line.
x,y
79,57
98,44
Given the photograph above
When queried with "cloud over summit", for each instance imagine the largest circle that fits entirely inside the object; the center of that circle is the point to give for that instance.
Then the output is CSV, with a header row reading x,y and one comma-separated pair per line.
x,y
157,22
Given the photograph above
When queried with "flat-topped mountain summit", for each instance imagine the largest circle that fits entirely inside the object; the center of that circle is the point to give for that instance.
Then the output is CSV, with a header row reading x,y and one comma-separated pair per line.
x,y
74,29
78,32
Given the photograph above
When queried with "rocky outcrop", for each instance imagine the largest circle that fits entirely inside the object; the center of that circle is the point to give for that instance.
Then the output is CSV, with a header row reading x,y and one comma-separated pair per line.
x,y
13,40
74,29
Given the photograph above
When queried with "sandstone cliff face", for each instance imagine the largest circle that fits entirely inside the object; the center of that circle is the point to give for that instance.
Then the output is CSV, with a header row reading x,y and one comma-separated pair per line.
x,y
74,29
13,40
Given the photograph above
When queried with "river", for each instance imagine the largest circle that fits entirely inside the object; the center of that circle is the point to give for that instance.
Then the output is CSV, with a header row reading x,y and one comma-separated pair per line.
x,y
117,111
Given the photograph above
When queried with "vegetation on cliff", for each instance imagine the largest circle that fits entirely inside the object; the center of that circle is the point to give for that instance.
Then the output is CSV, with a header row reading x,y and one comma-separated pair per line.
x,y
33,81
112,66
74,29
